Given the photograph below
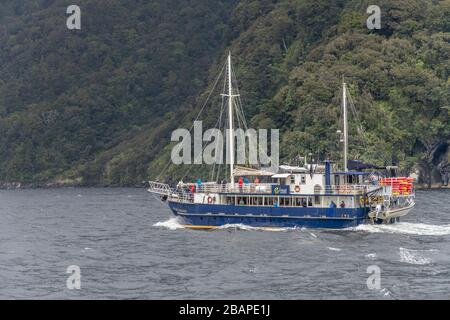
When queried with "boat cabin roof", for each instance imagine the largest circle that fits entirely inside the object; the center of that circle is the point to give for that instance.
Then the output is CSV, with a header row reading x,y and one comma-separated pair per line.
x,y
352,173
281,175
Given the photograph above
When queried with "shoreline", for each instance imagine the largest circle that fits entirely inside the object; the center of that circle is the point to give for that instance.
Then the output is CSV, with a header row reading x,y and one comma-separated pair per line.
x,y
424,187
28,186
51,185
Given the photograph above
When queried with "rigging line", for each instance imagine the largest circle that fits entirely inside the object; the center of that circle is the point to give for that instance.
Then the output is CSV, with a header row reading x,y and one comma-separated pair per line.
x,y
198,116
240,116
192,164
236,85
223,125
220,162
217,142
219,128
355,114
361,131
241,124
203,149
359,127
239,101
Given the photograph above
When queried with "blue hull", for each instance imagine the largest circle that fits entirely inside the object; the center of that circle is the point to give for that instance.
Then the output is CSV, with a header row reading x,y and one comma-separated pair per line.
x,y
214,215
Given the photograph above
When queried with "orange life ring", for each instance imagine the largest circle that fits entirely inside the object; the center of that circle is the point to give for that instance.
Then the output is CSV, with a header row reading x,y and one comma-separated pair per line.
x,y
297,188
210,200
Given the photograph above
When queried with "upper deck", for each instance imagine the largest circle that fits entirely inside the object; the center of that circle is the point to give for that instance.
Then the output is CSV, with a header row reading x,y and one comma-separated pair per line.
x,y
270,188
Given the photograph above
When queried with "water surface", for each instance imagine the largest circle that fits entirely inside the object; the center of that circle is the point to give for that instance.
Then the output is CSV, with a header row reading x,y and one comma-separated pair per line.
x,y
128,246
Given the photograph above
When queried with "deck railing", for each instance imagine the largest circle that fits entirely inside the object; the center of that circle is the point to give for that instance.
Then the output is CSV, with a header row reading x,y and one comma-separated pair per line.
x,y
159,188
164,190
182,196
235,188
346,189
184,193
266,188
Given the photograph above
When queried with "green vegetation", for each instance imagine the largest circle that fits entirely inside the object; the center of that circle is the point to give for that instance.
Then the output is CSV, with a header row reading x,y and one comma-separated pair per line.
x,y
97,106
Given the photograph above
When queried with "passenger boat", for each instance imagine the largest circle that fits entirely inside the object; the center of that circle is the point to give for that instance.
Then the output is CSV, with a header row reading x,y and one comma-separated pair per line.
x,y
313,195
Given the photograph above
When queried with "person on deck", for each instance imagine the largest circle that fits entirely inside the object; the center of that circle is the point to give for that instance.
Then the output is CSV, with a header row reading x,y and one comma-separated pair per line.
x,y
256,180
342,204
240,182
304,203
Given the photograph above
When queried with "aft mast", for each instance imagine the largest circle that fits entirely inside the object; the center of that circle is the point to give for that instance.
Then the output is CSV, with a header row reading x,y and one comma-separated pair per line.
x,y
344,106
230,120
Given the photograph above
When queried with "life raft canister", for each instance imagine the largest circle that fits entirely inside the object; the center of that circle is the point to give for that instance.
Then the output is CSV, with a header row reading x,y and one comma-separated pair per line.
x,y
297,188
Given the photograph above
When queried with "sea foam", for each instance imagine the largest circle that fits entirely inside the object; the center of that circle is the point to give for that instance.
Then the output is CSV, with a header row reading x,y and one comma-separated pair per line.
x,y
420,229
171,224
414,256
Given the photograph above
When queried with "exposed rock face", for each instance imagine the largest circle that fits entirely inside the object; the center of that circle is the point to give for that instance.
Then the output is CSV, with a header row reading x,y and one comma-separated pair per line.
x,y
435,169
444,170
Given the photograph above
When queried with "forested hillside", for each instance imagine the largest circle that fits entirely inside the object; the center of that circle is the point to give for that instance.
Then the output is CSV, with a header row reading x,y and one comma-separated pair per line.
x,y
96,106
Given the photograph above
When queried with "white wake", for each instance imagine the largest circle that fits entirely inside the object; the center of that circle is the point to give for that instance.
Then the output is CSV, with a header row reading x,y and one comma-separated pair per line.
x,y
407,228
171,224
420,229
240,226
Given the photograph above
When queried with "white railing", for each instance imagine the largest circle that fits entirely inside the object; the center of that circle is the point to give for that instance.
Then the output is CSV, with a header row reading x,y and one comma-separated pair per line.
x,y
159,188
266,188
234,188
346,189
185,192
182,196
164,189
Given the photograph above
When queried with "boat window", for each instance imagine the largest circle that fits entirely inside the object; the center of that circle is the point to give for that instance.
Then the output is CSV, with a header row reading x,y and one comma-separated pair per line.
x,y
352,179
289,201
304,203
285,201
302,179
268,201
336,180
292,179
317,189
